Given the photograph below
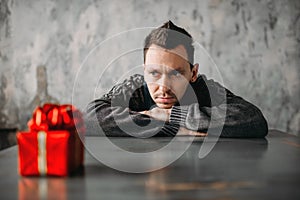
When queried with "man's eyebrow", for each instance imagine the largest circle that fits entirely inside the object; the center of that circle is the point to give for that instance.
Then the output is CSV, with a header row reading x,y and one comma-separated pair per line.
x,y
180,68
152,66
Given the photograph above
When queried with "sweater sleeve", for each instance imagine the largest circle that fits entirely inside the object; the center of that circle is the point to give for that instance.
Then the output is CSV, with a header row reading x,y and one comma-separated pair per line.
x,y
232,114
115,117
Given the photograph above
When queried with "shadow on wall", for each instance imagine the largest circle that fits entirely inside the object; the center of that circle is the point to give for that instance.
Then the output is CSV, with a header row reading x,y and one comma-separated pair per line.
x,y
41,96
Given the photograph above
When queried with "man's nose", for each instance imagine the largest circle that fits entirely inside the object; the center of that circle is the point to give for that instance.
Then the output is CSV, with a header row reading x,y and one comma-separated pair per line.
x,y
165,84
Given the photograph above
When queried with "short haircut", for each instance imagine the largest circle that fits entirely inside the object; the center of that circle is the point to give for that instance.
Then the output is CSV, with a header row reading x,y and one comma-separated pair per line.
x,y
169,36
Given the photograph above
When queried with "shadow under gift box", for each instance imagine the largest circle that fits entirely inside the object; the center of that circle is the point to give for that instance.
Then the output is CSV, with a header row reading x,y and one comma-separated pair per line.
x,y
55,152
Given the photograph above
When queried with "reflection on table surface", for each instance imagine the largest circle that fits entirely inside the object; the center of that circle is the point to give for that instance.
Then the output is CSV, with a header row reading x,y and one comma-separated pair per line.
x,y
42,188
234,169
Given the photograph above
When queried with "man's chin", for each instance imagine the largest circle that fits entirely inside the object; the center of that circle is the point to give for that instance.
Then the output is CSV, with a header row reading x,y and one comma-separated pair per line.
x,y
164,106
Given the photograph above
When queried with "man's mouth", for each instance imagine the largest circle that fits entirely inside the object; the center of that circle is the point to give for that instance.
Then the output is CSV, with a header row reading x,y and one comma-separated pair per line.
x,y
165,100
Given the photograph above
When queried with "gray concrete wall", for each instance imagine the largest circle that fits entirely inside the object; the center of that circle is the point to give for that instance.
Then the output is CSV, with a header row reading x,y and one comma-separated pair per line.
x,y
43,43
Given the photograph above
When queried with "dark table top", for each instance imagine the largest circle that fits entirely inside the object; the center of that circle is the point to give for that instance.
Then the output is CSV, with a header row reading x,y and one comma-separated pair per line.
x,y
235,169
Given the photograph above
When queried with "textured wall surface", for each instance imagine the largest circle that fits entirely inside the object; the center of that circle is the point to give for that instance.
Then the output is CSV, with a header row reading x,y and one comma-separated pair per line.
x,y
255,44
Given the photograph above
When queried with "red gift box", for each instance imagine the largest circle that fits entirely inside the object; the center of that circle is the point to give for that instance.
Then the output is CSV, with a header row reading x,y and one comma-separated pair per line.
x,y
53,145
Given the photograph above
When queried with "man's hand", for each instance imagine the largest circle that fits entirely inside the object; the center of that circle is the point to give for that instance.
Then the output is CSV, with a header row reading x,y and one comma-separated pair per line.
x,y
184,131
158,113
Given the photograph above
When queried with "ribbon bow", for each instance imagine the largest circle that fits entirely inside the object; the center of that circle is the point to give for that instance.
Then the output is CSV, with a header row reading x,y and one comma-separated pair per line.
x,y
56,117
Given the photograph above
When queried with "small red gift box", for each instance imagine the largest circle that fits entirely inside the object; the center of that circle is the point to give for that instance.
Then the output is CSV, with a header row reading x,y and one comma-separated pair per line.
x,y
53,144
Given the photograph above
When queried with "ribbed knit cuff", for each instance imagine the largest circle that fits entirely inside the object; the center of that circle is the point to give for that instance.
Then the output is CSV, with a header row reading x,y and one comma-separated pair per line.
x,y
178,115
170,130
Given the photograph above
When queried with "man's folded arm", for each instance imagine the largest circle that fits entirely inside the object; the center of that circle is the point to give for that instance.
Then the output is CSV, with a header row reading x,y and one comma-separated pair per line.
x,y
121,121
234,117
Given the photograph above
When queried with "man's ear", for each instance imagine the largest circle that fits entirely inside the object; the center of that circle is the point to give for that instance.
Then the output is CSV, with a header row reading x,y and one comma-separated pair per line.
x,y
195,72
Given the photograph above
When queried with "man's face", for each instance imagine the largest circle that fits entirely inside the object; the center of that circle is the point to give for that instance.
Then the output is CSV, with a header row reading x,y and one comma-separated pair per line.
x,y
167,74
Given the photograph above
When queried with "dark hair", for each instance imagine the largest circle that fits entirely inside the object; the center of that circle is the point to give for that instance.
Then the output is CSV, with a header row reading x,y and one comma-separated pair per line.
x,y
169,36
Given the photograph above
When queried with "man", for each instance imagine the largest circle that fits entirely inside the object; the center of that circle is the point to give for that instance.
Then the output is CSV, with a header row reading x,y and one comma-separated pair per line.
x,y
171,98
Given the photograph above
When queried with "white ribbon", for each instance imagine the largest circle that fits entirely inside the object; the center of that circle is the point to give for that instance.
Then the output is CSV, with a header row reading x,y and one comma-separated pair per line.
x,y
42,153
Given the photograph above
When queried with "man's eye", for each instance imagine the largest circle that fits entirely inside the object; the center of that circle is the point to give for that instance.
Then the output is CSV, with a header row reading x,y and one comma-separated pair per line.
x,y
175,73
154,73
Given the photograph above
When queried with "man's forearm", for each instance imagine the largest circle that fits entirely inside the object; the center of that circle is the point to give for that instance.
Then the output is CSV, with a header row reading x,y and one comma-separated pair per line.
x,y
238,119
120,121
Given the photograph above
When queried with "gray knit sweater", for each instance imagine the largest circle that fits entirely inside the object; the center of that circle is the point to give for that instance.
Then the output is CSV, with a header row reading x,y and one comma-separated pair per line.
x,y
205,107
